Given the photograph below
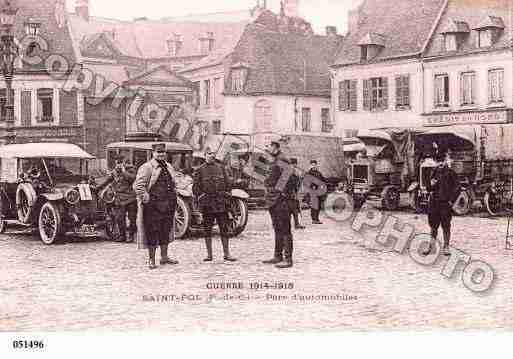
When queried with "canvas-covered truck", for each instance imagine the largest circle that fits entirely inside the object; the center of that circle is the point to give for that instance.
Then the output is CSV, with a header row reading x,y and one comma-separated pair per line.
x,y
382,168
482,156
252,157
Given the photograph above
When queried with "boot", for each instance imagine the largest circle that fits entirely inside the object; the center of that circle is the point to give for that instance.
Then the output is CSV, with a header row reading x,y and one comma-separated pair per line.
x,y
278,250
288,245
164,258
208,244
226,250
131,238
151,259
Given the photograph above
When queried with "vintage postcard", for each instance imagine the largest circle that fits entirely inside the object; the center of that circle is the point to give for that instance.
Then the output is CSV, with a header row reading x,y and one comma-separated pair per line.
x,y
256,166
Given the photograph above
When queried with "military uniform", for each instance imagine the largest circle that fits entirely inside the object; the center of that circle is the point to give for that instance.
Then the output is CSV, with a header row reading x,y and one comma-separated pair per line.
x,y
443,194
316,208
212,187
295,206
126,201
278,201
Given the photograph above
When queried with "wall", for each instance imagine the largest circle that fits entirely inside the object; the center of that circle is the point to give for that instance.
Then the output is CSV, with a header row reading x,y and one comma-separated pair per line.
x,y
390,117
479,63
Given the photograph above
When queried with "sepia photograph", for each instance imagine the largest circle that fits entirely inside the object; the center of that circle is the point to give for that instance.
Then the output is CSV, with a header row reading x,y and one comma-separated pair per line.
x,y
255,166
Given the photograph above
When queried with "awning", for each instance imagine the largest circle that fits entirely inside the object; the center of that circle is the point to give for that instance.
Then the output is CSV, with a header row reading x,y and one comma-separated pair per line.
x,y
43,150
355,147
467,133
374,134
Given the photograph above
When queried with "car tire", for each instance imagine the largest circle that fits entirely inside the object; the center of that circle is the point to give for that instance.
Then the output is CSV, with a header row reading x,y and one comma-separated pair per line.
x,y
25,199
463,204
50,223
182,218
239,220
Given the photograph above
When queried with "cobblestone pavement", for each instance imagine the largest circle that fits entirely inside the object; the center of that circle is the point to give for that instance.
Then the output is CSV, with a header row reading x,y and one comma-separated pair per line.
x,y
99,285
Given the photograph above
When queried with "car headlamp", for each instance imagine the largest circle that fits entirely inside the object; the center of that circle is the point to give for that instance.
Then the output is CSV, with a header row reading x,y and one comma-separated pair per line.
x,y
72,196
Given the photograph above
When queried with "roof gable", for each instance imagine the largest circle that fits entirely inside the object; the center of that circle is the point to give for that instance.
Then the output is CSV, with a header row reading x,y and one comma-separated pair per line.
x,y
159,76
455,27
99,46
491,22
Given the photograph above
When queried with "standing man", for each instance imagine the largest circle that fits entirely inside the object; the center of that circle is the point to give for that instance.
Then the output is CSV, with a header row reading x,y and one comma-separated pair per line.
x,y
211,187
315,206
444,191
122,180
156,194
278,192
294,204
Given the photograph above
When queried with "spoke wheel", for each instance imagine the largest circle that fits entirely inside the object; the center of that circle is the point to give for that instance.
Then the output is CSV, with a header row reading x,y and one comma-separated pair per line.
x,y
50,223
463,204
182,218
237,216
492,203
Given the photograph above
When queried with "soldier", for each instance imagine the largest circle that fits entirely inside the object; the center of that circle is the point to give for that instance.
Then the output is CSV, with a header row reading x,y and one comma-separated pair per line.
x,y
295,206
122,179
156,194
211,187
444,190
278,193
315,206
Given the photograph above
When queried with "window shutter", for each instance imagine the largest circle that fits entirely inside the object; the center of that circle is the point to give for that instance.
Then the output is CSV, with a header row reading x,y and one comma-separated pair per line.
x,y
385,92
462,89
406,90
366,95
353,97
398,91
500,85
474,88
342,96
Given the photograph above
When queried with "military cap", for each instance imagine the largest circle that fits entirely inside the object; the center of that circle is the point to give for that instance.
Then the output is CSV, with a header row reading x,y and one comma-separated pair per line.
x,y
159,147
275,143
293,161
313,162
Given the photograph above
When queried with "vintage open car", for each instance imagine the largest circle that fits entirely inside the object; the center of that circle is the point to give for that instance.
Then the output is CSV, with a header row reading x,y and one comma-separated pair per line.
x,y
45,186
137,149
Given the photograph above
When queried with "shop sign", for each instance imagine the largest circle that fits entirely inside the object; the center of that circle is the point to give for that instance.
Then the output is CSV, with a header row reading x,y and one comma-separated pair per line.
x,y
466,118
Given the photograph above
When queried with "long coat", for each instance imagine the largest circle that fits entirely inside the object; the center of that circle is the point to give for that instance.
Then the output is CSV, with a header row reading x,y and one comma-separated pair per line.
x,y
211,186
147,176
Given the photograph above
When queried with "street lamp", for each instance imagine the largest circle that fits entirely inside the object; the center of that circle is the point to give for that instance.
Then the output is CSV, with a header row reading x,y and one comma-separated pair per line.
x,y
8,54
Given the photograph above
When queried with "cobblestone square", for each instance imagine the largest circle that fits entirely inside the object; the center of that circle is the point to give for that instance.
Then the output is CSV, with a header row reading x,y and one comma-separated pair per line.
x,y
341,280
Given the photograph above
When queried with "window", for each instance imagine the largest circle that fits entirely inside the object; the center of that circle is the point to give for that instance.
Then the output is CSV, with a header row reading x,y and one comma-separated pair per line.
x,y
45,105
468,88
347,95
238,80
206,93
484,38
450,42
196,93
496,85
3,104
216,127
263,117
375,93
402,92
363,53
217,93
326,125
306,119
442,90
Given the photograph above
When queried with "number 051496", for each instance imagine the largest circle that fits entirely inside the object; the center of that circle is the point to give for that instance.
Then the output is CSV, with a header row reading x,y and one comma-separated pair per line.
x,y
28,344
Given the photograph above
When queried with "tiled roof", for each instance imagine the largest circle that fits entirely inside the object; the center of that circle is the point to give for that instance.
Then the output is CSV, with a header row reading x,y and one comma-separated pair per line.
x,y
372,39
53,25
405,25
148,38
114,73
473,13
455,27
284,62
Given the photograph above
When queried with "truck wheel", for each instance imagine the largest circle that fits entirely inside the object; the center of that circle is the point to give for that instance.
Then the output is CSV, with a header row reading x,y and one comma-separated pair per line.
x,y
463,204
238,213
390,198
50,223
492,203
182,218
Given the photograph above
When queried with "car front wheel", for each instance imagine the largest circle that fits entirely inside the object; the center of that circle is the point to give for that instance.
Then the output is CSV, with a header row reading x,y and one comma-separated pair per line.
x,y
50,223
238,216
182,218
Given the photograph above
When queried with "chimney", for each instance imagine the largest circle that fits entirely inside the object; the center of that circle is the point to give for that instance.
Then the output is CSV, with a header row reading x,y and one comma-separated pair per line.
x,y
82,9
291,8
353,19
331,31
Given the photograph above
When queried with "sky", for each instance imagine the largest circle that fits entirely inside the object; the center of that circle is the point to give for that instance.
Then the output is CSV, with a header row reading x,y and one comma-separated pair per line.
x,y
320,13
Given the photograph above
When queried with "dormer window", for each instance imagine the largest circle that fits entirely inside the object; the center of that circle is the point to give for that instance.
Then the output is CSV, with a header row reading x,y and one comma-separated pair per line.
x,y
207,43
239,75
32,27
454,34
371,45
488,31
174,45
